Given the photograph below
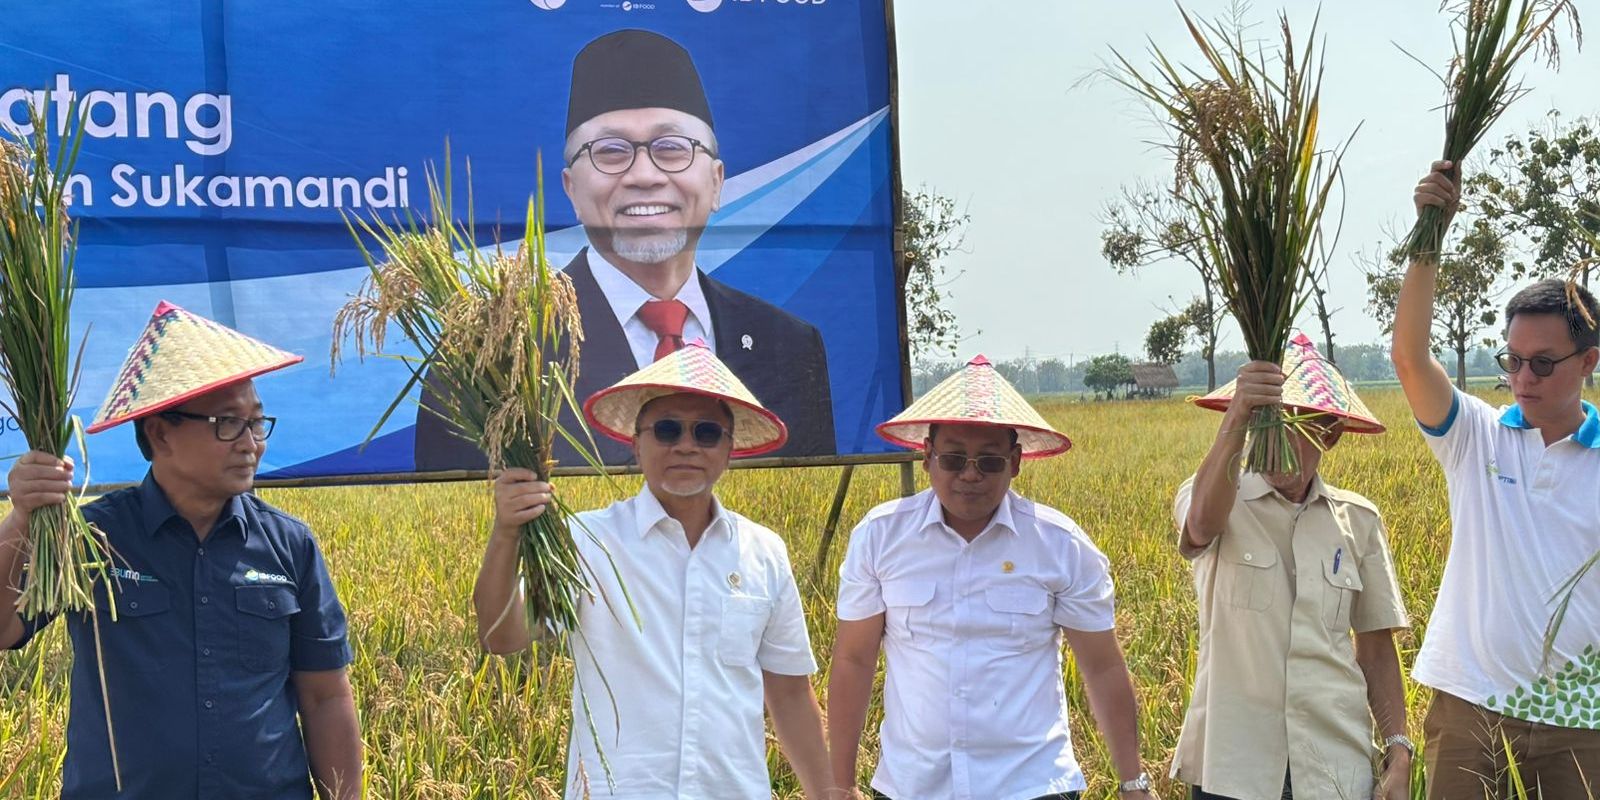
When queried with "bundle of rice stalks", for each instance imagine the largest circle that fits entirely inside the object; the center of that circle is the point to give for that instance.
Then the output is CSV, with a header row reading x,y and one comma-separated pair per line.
x,y
38,246
1244,136
499,336
1489,41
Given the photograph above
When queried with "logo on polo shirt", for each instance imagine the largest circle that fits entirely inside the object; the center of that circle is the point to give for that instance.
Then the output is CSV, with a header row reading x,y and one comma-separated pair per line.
x,y
1493,470
132,575
256,576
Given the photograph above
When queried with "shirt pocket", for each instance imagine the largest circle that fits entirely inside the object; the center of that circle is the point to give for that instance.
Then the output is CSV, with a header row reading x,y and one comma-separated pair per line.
x,y
906,604
142,634
1342,583
264,613
1023,614
1249,575
744,619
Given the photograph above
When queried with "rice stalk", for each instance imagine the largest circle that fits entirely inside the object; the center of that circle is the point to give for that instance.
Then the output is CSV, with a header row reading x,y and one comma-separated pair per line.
x,y
1490,38
66,556
1244,137
500,334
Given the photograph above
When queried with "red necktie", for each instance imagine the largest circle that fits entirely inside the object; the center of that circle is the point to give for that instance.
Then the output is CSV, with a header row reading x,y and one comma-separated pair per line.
x,y
665,319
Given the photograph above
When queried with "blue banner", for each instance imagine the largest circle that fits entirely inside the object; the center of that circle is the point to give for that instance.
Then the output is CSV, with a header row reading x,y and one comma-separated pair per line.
x,y
225,142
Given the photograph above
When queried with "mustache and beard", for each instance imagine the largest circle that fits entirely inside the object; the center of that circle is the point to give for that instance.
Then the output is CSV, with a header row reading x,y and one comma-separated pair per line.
x,y
646,246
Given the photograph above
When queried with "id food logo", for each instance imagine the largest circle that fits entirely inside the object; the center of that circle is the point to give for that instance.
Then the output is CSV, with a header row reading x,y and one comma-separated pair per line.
x,y
254,576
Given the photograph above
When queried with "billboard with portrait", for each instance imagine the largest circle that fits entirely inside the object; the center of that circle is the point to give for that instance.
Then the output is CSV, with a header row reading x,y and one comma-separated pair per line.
x,y
721,170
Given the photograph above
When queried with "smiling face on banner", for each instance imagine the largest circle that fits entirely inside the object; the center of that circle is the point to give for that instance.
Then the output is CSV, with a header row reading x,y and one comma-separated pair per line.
x,y
646,214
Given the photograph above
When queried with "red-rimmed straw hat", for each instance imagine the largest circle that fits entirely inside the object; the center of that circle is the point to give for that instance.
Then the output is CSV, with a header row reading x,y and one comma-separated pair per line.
x,y
1311,384
178,357
693,369
976,395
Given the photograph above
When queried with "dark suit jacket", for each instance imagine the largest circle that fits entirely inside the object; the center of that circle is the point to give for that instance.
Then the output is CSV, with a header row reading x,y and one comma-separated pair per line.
x,y
785,367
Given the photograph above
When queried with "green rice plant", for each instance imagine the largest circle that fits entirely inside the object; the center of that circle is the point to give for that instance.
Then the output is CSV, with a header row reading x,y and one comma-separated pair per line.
x,y
500,335
1244,138
1490,38
67,556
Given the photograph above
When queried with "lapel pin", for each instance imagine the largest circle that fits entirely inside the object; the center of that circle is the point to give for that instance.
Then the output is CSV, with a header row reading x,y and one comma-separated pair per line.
x,y
1007,567
749,343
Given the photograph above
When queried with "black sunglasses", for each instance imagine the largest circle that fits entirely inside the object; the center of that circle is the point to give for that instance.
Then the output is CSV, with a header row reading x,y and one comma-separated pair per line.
x,y
1541,365
957,462
707,434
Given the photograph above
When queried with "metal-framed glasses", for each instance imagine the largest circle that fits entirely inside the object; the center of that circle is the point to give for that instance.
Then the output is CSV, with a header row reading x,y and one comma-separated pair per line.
x,y
613,155
1542,366
706,434
957,462
228,429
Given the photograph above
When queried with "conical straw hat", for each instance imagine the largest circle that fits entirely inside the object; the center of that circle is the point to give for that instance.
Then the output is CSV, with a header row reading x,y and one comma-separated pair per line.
x,y
693,369
977,395
1312,383
181,356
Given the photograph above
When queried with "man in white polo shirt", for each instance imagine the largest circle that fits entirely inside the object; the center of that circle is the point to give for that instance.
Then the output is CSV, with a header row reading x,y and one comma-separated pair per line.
x,y
1525,517
969,588
720,626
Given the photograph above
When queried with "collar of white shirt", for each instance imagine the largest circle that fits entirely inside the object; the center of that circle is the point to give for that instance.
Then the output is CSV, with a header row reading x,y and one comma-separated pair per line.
x,y
626,297
651,515
933,517
1587,434
1254,487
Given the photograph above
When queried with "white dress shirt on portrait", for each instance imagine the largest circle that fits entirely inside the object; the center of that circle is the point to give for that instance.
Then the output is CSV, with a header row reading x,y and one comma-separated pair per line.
x,y
626,297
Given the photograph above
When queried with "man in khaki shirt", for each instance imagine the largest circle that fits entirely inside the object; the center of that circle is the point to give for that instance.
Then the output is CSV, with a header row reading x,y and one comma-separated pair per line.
x,y
1285,567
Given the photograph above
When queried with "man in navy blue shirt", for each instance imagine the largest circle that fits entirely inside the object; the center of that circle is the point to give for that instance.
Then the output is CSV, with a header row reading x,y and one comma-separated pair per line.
x,y
226,665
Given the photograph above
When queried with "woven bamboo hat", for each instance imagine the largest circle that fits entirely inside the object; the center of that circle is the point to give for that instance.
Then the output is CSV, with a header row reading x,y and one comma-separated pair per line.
x,y
181,356
976,395
1312,384
693,369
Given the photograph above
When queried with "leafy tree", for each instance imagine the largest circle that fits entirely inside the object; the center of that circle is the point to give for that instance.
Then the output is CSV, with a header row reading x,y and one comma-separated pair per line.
x,y
1543,186
1053,375
1149,225
1105,374
1465,297
933,230
1167,337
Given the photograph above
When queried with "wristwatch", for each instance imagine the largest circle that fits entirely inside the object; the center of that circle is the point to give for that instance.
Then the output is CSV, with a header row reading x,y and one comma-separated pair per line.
x,y
1403,741
1139,784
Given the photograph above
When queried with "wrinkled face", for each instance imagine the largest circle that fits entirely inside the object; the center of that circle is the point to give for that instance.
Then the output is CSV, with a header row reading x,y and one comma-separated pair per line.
x,y
644,215
1545,398
683,468
969,494
188,451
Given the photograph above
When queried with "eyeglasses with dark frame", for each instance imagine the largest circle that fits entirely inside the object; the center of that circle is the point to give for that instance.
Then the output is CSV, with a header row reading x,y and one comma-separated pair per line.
x,y
707,434
614,155
229,428
1511,363
957,462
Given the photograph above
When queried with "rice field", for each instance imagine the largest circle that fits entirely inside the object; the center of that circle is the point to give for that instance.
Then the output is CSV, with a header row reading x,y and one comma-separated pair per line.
x,y
442,720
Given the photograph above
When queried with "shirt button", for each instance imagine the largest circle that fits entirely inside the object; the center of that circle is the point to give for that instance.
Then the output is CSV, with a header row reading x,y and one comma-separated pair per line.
x,y
206,652
204,599
1249,557
133,604
1347,581
273,604
202,551
209,704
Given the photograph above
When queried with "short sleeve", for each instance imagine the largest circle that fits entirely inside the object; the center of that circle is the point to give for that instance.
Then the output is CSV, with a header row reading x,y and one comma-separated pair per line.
x,y
1378,606
1453,440
1087,601
1180,518
860,592
318,637
785,644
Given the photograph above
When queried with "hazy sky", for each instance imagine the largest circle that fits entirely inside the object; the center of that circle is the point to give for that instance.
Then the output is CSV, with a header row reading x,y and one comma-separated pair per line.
x,y
987,87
